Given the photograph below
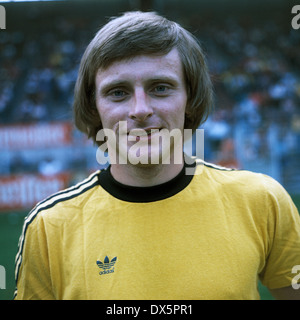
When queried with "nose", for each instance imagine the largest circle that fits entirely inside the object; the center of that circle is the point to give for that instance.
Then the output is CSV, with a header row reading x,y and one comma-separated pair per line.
x,y
141,107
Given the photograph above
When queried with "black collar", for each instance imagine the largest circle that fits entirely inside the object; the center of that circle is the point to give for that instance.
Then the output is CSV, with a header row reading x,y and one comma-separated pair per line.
x,y
145,194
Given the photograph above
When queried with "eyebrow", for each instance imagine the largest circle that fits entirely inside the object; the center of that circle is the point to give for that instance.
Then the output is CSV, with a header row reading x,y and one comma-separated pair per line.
x,y
122,83
112,84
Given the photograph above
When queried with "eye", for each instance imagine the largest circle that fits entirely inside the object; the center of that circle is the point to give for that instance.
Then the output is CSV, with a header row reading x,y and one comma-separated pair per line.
x,y
161,89
117,94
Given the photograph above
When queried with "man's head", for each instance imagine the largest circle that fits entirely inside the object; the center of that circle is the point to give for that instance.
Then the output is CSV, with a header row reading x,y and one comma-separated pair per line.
x,y
136,34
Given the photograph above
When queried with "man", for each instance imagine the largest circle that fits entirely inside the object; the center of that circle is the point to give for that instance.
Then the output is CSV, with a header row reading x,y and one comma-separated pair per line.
x,y
143,230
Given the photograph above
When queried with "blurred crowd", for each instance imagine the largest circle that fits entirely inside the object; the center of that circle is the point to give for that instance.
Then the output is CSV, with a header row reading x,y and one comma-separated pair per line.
x,y
38,71
255,68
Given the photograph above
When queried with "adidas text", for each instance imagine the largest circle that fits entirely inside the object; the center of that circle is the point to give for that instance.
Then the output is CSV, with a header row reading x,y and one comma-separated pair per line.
x,y
107,271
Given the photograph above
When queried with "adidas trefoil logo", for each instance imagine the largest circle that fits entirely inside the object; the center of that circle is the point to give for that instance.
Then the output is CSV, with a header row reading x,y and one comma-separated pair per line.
x,y
108,267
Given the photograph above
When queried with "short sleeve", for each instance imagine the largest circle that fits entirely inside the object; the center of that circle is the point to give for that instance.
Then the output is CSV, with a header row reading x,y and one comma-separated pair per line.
x,y
284,237
32,268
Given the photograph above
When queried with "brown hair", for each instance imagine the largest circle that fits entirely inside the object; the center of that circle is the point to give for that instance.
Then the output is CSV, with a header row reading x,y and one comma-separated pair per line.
x,y
137,33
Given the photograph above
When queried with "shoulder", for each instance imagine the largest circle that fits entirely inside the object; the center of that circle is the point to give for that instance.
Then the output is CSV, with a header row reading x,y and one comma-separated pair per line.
x,y
239,181
69,196
260,195
219,173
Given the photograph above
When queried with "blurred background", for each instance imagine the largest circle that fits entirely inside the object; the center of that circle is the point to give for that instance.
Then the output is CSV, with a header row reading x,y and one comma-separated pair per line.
x,y
254,58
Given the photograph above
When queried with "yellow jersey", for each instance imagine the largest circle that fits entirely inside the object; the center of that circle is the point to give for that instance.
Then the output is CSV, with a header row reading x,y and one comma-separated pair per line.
x,y
210,235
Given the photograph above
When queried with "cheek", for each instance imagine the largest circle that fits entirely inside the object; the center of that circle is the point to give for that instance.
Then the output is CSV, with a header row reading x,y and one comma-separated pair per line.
x,y
108,115
176,112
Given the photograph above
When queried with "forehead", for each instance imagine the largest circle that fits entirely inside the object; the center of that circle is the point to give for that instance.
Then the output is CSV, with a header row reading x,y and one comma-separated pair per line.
x,y
143,67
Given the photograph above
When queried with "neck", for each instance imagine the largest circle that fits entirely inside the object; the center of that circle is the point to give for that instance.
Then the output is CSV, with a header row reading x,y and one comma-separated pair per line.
x,y
145,175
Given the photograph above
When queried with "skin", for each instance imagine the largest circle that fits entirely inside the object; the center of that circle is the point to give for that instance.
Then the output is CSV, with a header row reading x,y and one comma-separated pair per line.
x,y
149,93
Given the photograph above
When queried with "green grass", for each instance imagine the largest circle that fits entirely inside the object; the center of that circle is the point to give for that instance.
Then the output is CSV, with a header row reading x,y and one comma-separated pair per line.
x,y
296,199
10,230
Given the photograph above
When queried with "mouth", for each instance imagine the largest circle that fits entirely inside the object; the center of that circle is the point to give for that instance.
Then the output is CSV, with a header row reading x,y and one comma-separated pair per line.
x,y
139,133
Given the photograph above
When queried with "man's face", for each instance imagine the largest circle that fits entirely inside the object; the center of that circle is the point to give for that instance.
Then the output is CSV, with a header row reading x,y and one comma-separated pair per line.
x,y
147,92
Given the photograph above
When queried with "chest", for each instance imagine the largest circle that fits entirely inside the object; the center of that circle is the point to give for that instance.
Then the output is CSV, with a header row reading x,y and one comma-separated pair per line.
x,y
159,252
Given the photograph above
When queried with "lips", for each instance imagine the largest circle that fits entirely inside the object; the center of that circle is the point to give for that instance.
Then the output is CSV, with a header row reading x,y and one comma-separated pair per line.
x,y
138,133
142,132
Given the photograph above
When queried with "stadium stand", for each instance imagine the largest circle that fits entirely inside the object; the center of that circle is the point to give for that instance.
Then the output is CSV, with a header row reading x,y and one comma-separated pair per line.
x,y
254,62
